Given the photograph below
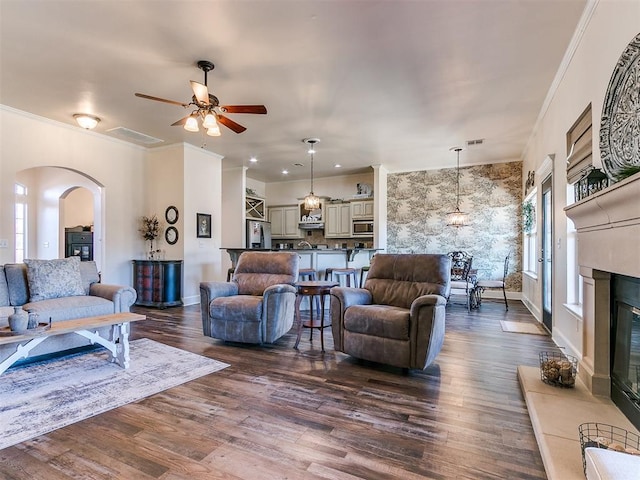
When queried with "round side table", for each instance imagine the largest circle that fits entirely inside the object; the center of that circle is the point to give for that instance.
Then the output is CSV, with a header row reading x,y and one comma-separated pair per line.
x,y
311,289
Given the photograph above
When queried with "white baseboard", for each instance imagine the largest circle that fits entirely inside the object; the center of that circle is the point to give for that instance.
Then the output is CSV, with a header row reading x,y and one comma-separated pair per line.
x,y
192,300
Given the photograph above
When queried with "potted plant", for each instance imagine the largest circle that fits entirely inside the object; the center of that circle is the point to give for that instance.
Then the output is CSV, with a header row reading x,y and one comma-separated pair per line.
x,y
150,229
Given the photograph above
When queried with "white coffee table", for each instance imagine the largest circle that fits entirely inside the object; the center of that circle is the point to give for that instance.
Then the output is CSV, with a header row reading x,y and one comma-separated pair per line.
x,y
118,344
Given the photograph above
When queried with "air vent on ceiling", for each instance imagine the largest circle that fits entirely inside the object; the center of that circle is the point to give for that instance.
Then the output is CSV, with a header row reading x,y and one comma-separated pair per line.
x,y
479,141
133,136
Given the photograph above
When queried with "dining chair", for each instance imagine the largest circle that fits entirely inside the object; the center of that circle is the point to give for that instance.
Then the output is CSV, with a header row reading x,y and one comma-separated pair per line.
x,y
461,282
496,284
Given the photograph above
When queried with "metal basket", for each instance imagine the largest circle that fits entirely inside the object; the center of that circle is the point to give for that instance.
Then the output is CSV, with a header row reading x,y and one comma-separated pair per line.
x,y
558,369
601,435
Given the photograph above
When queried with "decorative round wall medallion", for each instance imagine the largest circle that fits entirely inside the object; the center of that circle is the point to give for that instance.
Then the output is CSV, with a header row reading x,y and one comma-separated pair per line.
x,y
171,215
620,124
171,235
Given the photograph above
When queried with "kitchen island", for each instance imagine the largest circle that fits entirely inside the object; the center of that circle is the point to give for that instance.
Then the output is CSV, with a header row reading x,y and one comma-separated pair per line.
x,y
317,258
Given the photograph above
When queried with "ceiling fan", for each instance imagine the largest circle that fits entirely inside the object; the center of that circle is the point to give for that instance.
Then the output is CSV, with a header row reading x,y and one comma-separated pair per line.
x,y
208,108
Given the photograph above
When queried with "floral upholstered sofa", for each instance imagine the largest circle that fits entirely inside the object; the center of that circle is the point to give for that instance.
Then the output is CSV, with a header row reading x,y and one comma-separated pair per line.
x,y
60,289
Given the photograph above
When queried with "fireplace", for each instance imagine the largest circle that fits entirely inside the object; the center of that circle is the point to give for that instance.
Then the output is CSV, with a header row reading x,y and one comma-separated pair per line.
x,y
608,226
625,346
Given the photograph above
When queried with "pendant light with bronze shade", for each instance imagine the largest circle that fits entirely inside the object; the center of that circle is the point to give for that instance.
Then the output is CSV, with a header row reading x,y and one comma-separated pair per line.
x,y
457,218
311,201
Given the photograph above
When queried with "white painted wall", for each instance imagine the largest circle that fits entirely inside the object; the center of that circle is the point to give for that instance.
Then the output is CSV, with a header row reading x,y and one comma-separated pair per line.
x,y
188,178
78,208
606,34
203,194
257,186
28,141
165,188
289,192
47,187
126,182
234,182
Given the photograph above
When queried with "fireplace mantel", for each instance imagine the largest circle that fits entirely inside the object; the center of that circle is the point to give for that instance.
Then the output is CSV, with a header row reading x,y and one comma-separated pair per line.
x,y
608,226
608,208
611,219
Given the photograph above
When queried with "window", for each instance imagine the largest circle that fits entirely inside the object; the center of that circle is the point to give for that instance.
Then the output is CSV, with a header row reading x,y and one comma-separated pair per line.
x,y
574,279
530,258
20,222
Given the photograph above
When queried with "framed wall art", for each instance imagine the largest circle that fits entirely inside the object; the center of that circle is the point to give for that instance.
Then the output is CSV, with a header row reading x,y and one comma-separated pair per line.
x,y
171,235
171,215
203,223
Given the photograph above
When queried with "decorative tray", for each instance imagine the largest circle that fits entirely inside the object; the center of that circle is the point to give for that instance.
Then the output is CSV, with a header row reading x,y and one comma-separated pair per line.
x,y
42,327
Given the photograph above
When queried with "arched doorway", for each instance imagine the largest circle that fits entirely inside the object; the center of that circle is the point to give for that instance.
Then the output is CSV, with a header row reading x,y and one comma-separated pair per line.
x,y
51,191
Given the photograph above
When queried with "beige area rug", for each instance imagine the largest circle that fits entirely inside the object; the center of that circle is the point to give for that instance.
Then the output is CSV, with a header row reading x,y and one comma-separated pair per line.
x,y
523,327
40,397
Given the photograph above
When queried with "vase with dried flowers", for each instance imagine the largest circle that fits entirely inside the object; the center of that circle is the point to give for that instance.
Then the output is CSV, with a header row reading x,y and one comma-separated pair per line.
x,y
150,229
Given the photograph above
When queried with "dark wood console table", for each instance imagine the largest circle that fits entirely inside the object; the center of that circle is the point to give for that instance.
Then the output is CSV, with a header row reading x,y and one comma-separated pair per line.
x,y
158,283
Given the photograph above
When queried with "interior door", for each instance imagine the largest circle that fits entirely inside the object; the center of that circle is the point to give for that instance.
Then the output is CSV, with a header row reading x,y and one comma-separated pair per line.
x,y
546,256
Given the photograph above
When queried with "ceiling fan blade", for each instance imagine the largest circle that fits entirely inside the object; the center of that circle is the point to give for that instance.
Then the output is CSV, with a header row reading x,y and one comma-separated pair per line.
x,y
227,122
158,99
182,121
244,109
201,92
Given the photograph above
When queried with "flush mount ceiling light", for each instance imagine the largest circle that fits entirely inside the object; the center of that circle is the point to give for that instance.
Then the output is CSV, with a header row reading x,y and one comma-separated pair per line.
x,y
86,121
311,201
457,218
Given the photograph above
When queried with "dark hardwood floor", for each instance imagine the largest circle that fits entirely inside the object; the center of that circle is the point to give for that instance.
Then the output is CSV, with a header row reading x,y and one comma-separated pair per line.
x,y
278,413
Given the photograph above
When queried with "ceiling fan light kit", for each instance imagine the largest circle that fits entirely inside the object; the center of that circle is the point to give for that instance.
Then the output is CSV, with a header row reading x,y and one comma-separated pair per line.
x,y
457,218
191,125
88,122
209,121
208,108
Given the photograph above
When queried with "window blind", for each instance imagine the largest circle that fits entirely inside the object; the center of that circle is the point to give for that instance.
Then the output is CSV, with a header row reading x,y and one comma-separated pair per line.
x,y
579,146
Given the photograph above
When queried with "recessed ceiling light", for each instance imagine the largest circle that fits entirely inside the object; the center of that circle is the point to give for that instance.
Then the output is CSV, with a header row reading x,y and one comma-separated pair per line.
x,y
337,165
285,172
253,159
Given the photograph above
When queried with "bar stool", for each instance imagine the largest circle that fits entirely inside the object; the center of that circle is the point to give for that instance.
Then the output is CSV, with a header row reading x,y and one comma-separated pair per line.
x,y
346,273
309,274
362,270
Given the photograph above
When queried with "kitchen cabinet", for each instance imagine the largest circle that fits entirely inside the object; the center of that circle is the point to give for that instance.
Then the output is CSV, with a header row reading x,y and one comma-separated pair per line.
x,y
158,283
79,244
362,209
338,224
254,208
284,222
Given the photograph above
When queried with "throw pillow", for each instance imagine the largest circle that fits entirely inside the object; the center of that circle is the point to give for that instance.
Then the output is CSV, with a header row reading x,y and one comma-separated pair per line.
x,y
4,289
54,278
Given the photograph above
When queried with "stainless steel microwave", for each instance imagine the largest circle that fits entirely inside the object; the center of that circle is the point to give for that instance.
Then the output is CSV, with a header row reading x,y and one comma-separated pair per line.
x,y
362,228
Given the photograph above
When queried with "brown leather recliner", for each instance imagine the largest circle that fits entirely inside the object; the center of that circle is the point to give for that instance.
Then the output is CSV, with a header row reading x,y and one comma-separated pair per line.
x,y
257,306
398,317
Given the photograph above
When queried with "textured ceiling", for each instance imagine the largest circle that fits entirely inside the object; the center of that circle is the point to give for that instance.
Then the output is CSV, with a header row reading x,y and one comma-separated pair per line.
x,y
379,82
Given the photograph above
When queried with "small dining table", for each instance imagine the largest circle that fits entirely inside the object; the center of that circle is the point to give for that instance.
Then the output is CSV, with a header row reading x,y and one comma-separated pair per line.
x,y
310,289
